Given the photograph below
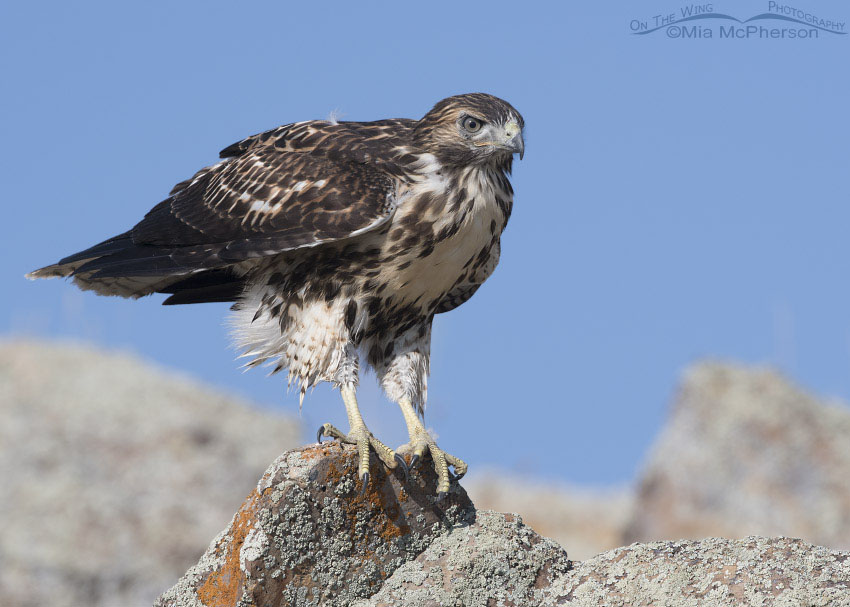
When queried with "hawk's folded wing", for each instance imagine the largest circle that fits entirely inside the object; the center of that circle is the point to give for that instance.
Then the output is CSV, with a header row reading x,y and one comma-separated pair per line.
x,y
274,196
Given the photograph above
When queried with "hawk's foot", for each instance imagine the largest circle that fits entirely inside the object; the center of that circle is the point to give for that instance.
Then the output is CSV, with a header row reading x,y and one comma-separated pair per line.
x,y
363,440
420,443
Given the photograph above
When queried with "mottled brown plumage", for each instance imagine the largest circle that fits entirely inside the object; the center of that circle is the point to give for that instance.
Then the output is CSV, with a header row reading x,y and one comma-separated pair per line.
x,y
333,240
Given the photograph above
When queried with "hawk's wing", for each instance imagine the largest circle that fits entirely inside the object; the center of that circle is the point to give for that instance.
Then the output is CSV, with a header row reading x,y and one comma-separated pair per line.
x,y
296,186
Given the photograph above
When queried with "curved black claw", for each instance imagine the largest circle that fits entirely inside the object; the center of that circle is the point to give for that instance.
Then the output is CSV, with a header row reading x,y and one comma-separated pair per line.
x,y
454,477
403,464
364,480
414,460
442,495
320,433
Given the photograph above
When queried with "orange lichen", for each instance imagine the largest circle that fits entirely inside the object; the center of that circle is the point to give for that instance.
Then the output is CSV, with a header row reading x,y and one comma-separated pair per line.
x,y
375,498
222,587
227,584
318,450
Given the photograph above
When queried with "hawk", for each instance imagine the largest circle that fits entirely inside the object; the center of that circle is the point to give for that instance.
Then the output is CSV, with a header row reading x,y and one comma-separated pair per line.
x,y
337,243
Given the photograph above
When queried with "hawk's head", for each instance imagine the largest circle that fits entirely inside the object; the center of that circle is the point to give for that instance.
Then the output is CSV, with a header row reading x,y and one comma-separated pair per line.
x,y
472,129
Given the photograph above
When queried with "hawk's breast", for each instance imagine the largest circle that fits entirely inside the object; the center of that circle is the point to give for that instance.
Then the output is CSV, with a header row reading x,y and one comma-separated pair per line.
x,y
441,234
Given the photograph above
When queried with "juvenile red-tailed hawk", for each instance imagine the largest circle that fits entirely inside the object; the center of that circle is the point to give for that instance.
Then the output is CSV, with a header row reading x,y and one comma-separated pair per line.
x,y
334,240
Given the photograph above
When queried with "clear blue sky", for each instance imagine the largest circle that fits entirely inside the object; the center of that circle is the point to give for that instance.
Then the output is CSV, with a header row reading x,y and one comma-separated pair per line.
x,y
679,198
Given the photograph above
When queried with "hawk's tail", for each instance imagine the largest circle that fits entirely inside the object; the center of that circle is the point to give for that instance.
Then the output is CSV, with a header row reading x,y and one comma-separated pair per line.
x,y
119,267
70,264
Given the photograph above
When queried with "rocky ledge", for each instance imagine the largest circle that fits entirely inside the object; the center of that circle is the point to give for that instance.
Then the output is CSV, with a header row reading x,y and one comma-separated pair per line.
x,y
307,537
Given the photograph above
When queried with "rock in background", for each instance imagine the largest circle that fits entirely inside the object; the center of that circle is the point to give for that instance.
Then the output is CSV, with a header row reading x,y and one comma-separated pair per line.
x,y
585,521
115,473
745,452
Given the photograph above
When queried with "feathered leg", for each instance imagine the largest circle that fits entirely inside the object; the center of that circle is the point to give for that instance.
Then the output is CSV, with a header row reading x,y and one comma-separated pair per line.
x,y
360,436
402,362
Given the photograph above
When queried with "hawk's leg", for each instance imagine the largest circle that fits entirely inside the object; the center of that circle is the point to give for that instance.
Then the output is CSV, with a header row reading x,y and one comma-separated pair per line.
x,y
360,436
421,441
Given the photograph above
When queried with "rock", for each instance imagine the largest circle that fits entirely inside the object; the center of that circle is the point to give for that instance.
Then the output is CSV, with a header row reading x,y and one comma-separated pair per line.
x,y
589,521
495,560
115,473
747,453
756,571
306,537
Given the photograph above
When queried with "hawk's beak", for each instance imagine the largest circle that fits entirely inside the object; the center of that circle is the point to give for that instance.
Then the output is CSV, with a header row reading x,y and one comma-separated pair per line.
x,y
514,140
518,145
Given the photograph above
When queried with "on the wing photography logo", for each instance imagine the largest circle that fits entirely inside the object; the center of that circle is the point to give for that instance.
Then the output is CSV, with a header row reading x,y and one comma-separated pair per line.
x,y
781,21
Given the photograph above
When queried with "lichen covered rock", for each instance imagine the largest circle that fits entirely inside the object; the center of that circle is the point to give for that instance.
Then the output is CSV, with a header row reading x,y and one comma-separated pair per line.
x,y
485,566
306,535
714,572
497,560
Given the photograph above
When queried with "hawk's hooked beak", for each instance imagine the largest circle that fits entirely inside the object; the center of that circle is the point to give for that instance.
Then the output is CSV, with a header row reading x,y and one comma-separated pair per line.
x,y
513,139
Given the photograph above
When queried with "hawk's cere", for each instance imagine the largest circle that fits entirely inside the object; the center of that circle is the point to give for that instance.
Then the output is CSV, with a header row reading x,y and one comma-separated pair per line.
x,y
336,241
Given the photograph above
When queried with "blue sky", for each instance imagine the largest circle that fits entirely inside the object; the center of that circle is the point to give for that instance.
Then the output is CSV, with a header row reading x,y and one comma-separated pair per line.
x,y
679,198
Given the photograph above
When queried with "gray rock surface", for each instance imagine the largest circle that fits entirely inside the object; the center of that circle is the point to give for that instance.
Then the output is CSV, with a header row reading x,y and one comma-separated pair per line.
x,y
745,452
115,473
495,560
306,537
753,572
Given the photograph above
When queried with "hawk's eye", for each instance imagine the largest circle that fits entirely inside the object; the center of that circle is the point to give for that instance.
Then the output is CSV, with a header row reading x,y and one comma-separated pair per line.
x,y
471,124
